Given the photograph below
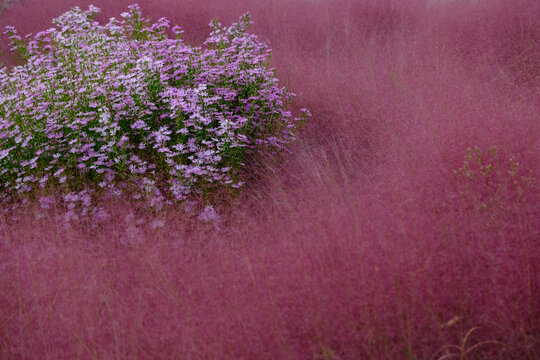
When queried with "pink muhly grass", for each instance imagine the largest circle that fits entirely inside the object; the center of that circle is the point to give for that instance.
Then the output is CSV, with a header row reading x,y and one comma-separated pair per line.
x,y
402,225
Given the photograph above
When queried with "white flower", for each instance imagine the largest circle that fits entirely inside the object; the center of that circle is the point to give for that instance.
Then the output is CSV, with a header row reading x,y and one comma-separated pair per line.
x,y
105,116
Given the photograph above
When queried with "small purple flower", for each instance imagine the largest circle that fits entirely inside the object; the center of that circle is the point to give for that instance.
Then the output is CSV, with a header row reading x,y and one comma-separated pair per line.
x,y
209,214
157,224
140,125
45,202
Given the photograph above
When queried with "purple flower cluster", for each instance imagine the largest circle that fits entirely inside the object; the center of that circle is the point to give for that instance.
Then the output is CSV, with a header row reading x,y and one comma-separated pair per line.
x,y
123,107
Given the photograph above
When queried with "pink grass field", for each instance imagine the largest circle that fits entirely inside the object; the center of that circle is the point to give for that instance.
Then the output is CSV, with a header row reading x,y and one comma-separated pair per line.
x,y
380,236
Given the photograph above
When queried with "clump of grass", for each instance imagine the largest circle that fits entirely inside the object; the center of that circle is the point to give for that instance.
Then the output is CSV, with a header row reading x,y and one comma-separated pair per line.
x,y
363,243
486,180
121,107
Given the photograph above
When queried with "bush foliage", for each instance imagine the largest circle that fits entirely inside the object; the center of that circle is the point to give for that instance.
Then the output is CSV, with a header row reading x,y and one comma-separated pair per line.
x,y
123,107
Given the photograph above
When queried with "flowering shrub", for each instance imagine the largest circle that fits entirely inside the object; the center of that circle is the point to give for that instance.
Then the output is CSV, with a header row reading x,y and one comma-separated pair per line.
x,y
123,108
